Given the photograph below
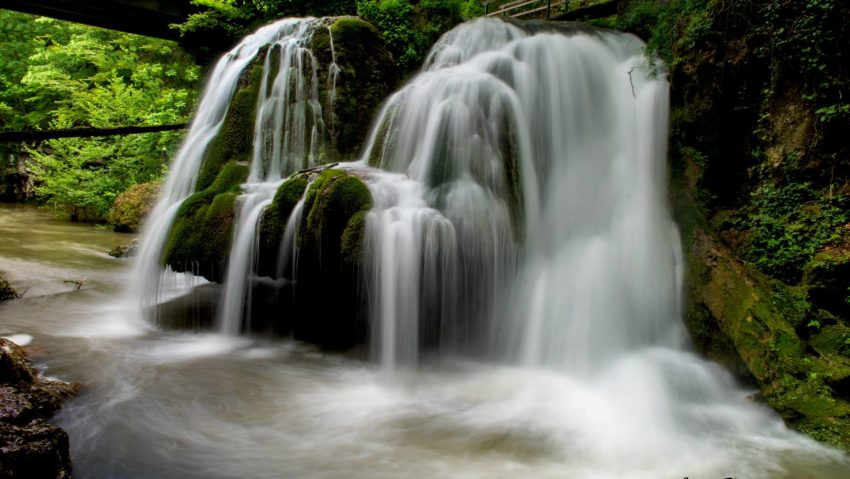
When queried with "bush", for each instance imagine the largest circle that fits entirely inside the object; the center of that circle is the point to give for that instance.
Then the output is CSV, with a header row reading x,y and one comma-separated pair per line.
x,y
132,207
410,30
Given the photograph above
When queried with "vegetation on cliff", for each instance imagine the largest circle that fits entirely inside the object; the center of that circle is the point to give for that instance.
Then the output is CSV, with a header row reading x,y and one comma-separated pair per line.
x,y
409,27
761,190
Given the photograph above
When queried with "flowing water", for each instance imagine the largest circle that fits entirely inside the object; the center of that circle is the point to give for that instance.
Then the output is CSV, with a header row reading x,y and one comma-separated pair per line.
x,y
164,405
525,304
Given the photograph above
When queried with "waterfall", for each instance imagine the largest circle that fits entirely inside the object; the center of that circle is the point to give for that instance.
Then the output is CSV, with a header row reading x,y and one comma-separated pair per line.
x,y
288,135
528,201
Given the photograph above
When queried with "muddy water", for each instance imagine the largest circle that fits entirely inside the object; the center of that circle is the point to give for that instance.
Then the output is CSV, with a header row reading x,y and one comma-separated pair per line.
x,y
160,404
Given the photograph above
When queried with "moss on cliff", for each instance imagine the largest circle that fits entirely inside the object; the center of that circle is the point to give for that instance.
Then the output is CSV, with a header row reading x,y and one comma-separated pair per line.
x,y
365,77
234,142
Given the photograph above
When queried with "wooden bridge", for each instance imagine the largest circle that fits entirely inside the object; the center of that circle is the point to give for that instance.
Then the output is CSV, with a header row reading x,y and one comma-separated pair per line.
x,y
551,9
144,17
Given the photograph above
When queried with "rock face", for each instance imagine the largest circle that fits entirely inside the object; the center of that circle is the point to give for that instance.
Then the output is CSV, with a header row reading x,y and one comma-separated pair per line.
x,y
764,331
31,447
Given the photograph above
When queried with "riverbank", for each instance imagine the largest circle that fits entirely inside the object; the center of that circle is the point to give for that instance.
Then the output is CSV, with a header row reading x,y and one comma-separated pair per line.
x,y
32,447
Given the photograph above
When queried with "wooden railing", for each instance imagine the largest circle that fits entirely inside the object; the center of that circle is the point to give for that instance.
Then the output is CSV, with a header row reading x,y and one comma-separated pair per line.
x,y
554,9
523,8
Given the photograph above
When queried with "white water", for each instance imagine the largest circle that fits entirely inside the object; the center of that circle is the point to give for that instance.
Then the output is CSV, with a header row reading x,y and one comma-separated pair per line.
x,y
289,133
568,275
534,191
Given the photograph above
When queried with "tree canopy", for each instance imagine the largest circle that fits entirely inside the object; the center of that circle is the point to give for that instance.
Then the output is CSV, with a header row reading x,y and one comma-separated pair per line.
x,y
59,75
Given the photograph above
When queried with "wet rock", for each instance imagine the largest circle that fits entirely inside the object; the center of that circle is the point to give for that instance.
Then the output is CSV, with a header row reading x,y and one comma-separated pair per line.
x,y
29,446
7,292
125,250
37,450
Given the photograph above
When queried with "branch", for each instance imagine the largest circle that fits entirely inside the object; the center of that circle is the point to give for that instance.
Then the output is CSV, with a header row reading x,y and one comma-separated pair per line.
x,y
14,136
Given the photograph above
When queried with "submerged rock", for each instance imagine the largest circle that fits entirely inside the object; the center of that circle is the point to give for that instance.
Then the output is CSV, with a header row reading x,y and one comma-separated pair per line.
x,y
7,292
125,250
29,446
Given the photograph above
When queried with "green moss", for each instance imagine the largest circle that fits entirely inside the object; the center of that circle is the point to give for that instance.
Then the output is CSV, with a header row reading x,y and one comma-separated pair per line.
x,y
365,78
827,277
229,178
336,198
200,237
832,339
234,142
352,238
275,217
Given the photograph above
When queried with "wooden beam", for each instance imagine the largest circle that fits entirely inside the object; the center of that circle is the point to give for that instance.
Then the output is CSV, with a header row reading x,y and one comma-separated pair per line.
x,y
144,17
15,136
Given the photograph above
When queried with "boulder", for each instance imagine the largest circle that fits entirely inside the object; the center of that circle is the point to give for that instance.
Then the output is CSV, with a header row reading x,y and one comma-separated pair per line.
x,y
29,446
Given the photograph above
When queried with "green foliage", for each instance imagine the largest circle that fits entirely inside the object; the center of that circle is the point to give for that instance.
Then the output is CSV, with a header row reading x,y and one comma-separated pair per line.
x,y
132,206
669,27
220,23
65,75
783,236
803,41
410,29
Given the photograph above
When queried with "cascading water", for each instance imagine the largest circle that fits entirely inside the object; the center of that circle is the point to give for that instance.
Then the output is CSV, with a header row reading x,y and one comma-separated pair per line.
x,y
288,135
518,215
534,192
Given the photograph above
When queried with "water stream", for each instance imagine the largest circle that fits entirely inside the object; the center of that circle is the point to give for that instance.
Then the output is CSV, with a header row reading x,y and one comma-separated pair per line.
x,y
172,405
519,230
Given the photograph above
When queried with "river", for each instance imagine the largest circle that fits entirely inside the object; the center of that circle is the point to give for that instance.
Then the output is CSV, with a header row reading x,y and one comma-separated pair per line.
x,y
178,404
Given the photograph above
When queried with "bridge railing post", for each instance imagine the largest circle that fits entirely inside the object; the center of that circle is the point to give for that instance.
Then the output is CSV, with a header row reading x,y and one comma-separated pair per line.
x,y
548,9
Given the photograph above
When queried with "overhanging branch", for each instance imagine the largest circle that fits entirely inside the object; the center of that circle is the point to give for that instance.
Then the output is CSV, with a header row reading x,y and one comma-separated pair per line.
x,y
14,136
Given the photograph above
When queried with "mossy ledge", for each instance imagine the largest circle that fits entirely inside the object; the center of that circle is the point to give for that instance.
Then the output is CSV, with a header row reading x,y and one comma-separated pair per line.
x,y
321,302
200,237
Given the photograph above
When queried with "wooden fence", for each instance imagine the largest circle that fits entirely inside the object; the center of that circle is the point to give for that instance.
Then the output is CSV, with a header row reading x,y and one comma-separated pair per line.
x,y
524,8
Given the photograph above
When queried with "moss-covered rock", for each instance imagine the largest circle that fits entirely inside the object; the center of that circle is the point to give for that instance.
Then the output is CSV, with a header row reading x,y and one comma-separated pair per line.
x,y
234,142
132,207
365,78
331,203
274,220
323,301
761,329
200,237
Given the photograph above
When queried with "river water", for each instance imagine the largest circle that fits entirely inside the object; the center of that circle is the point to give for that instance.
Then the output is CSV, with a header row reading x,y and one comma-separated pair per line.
x,y
160,404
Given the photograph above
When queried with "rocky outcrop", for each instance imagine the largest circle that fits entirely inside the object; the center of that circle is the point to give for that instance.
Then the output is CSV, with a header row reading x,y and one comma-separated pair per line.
x,y
200,237
766,332
319,300
31,447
